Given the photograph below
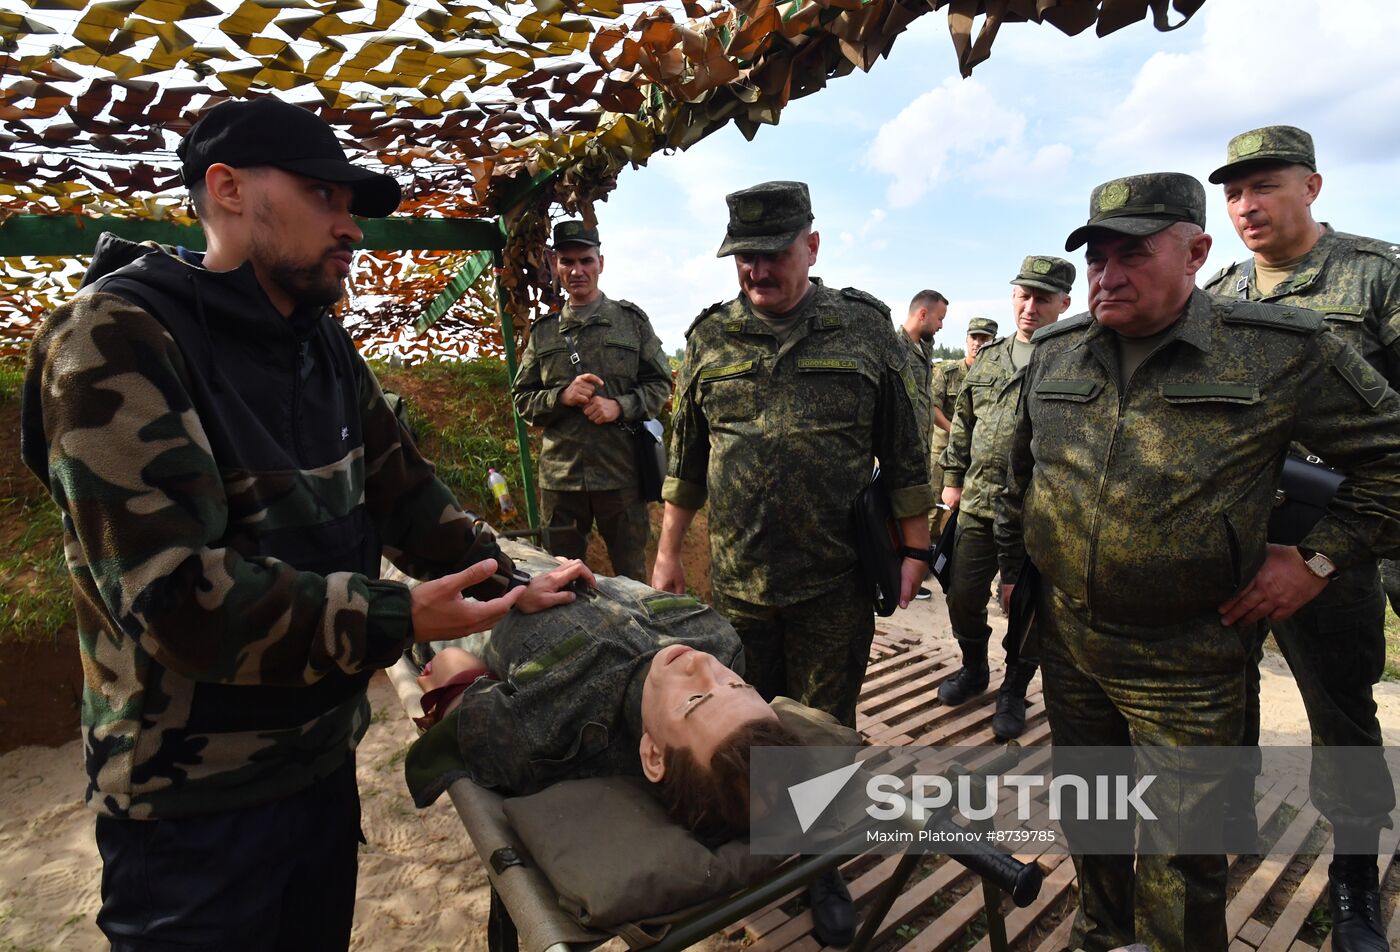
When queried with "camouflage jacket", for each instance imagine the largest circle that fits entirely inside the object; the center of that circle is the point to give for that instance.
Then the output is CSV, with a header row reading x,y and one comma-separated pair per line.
x,y
921,364
616,343
569,700
983,418
945,382
780,439
1149,506
1353,282
227,479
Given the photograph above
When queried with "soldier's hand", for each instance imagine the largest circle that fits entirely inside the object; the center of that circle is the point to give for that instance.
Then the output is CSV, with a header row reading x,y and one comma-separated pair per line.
x,y
952,495
580,390
440,611
1006,591
1282,585
668,574
602,410
911,573
553,587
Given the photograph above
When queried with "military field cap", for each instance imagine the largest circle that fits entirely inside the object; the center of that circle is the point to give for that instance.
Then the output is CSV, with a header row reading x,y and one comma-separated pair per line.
x,y
1274,144
766,218
267,131
982,325
1046,273
1142,205
575,233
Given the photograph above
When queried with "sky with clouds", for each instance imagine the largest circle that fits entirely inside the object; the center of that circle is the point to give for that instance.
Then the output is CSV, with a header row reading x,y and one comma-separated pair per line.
x,y
921,179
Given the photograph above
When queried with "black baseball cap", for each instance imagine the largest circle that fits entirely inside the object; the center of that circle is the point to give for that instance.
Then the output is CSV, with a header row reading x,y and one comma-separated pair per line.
x,y
267,131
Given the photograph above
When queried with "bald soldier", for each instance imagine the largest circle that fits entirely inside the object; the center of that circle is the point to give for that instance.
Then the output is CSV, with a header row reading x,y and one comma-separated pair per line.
x,y
947,380
787,395
924,319
1149,440
1335,646
974,471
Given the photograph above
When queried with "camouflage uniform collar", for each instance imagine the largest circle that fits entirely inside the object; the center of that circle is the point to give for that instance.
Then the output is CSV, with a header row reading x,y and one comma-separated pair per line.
x,y
1194,327
568,318
924,348
741,319
1308,269
632,698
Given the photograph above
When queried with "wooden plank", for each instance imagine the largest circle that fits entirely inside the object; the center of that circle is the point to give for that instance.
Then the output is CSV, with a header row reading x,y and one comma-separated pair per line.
x,y
1253,932
1247,901
947,928
932,715
1058,939
1284,932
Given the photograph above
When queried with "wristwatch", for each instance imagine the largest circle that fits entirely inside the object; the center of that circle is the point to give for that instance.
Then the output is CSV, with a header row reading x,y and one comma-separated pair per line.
x,y
1317,563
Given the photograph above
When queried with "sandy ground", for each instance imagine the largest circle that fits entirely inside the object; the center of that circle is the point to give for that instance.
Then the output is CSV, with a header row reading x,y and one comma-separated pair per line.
x,y
421,887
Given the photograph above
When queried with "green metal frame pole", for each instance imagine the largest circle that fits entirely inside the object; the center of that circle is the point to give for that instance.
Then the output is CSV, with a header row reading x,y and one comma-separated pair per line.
x,y
522,435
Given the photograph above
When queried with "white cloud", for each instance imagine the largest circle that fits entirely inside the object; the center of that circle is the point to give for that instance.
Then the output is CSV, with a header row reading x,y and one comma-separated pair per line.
x,y
960,130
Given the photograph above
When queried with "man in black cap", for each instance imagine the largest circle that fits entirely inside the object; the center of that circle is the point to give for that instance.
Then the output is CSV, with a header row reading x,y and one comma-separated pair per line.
x,y
589,370
1335,646
1140,479
230,472
786,396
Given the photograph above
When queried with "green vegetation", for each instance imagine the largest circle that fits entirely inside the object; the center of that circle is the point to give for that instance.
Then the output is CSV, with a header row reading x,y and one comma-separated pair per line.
x,y
34,597
461,417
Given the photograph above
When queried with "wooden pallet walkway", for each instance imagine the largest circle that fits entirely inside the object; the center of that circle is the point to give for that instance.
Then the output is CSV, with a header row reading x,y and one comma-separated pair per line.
x,y
1268,910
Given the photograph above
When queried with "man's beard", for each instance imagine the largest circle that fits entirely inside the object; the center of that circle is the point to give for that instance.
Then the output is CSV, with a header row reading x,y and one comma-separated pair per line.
x,y
306,284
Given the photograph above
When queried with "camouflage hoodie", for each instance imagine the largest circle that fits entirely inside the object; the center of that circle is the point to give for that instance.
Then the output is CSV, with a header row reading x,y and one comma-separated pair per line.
x,y
228,479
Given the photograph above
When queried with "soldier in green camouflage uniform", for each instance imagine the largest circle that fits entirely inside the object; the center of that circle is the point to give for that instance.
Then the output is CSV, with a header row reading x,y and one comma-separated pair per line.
x,y
974,471
786,395
1335,645
1149,440
621,376
946,381
925,318
229,475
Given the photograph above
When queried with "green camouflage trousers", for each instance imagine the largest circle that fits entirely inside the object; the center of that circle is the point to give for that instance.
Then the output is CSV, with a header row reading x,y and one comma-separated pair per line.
x,y
622,521
814,652
1175,686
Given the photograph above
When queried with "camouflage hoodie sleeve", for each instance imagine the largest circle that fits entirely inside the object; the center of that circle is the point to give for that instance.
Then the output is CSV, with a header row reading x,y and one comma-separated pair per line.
x,y
144,504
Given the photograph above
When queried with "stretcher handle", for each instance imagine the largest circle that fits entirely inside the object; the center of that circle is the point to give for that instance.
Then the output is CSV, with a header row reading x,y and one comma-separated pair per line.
x,y
1021,881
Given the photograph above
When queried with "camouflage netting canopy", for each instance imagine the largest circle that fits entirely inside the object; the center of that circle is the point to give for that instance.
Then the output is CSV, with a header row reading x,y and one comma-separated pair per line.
x,y
469,103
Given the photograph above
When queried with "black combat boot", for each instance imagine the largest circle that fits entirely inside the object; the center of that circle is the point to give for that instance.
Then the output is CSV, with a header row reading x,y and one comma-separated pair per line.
x,y
833,914
971,679
1354,893
1010,718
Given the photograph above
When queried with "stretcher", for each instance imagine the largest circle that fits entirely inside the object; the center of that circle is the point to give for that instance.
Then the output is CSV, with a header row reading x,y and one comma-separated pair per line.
x,y
526,911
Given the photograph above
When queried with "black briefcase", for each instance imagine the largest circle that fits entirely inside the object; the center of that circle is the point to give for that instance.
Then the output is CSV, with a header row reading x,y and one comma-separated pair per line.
x,y
1305,491
877,544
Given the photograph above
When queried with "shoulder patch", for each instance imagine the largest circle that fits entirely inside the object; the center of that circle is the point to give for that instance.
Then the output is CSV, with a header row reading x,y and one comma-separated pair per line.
x,y
856,294
718,305
1298,320
1369,385
1077,322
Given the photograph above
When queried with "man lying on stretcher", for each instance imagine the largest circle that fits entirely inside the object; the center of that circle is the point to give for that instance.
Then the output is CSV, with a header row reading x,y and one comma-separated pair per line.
x,y
624,680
